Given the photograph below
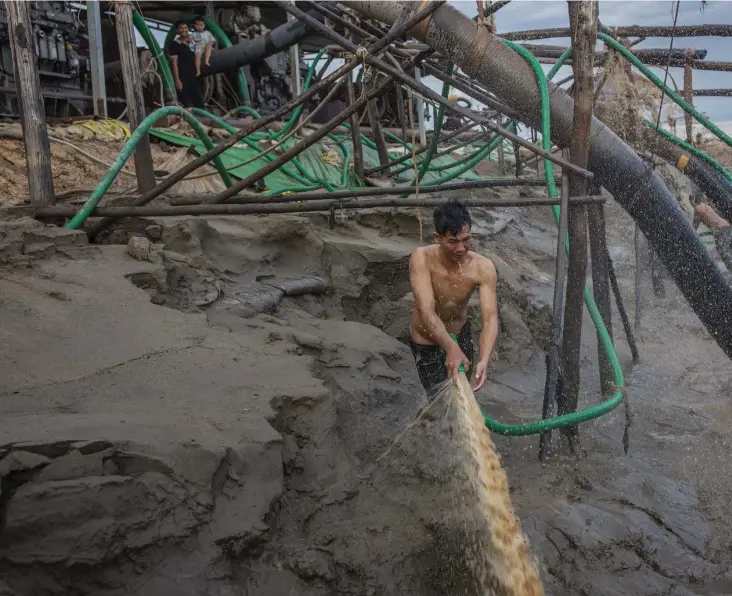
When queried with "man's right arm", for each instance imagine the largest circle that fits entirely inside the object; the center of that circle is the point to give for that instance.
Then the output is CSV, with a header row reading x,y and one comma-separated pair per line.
x,y
424,297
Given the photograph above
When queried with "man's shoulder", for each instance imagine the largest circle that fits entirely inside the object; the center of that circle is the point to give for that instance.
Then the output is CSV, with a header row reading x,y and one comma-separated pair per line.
x,y
484,265
422,252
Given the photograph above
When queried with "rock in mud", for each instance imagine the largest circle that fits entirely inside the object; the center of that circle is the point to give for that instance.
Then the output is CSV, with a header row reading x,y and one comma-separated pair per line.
x,y
139,248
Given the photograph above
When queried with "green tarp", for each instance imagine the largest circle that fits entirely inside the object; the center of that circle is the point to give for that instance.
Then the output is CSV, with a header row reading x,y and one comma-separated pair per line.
x,y
315,160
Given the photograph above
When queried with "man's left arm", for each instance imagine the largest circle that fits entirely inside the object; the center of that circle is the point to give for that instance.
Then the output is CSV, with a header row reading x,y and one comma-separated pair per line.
x,y
489,314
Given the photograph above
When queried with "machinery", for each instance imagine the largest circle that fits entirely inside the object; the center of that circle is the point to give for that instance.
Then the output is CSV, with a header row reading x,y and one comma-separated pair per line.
x,y
63,63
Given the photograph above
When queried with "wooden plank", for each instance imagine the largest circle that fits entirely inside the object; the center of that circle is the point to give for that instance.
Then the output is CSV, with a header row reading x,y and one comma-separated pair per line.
x,y
133,92
583,18
30,103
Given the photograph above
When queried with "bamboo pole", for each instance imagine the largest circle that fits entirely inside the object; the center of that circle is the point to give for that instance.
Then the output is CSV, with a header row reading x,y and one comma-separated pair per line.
x,y
583,20
30,102
621,310
291,206
375,191
133,92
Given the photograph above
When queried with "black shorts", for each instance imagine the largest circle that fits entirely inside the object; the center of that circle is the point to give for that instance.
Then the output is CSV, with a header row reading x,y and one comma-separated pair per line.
x,y
430,358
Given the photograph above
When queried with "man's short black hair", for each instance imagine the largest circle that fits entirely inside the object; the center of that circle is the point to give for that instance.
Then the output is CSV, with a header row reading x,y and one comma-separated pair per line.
x,y
451,217
179,23
199,18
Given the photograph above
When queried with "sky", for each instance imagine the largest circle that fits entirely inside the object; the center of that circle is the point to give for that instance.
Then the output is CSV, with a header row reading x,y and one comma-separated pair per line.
x,y
522,15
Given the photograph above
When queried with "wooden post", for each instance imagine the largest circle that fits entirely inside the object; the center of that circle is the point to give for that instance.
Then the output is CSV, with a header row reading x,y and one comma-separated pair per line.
x,y
294,55
355,129
133,92
640,253
688,94
553,355
501,156
420,110
377,132
30,102
94,27
600,284
583,17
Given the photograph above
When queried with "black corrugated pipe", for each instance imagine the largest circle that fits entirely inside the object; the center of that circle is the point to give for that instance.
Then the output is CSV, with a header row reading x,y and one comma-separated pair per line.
x,y
710,180
632,183
254,50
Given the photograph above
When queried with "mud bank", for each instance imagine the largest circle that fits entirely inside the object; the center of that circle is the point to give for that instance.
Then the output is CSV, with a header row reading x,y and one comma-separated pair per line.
x,y
212,420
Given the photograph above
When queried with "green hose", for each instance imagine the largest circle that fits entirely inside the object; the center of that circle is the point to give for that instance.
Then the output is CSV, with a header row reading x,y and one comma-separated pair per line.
x,y
225,42
690,148
305,180
678,100
138,134
607,345
158,54
559,63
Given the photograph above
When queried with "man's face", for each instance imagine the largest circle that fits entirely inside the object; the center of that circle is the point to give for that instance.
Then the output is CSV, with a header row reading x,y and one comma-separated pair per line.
x,y
183,30
455,247
198,25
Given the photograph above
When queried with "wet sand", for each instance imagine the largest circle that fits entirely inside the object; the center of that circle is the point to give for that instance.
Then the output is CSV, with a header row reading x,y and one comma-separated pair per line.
x,y
160,436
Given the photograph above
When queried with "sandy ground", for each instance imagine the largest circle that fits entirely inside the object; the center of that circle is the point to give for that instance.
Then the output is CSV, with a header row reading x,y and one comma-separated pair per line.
x,y
159,436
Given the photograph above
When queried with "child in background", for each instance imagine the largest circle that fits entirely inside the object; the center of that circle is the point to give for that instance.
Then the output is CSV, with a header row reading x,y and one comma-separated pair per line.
x,y
204,43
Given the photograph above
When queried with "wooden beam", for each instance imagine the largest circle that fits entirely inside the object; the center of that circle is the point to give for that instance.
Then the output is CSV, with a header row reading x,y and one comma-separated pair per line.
x,y
583,18
96,55
708,93
30,103
630,31
133,92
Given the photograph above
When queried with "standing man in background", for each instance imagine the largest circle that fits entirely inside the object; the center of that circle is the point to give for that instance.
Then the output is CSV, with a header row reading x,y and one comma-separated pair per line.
x,y
182,52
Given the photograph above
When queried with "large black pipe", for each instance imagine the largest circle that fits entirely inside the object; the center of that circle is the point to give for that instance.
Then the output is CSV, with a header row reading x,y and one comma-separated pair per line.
x,y
638,189
259,48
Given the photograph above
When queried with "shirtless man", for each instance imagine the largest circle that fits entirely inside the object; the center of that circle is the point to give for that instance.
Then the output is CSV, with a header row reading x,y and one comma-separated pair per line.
x,y
444,277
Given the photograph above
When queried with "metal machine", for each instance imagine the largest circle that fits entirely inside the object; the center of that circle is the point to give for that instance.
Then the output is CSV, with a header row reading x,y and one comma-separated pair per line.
x,y
63,64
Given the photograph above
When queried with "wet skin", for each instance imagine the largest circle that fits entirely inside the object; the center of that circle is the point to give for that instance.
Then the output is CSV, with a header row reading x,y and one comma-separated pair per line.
x,y
444,277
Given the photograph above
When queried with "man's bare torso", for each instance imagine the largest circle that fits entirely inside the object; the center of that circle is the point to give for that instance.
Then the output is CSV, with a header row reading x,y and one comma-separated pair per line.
x,y
452,288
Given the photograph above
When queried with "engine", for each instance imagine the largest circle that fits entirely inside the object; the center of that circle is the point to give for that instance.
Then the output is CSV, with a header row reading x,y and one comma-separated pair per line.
x,y
63,63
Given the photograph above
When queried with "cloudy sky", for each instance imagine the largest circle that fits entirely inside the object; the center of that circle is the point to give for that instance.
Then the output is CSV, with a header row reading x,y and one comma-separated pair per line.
x,y
522,15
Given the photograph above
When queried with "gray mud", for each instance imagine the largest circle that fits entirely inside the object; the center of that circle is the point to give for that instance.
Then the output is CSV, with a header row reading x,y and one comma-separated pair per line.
x,y
193,425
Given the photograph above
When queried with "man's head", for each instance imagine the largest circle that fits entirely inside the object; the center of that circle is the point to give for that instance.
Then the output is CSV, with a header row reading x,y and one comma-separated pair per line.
x,y
182,28
198,24
452,229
